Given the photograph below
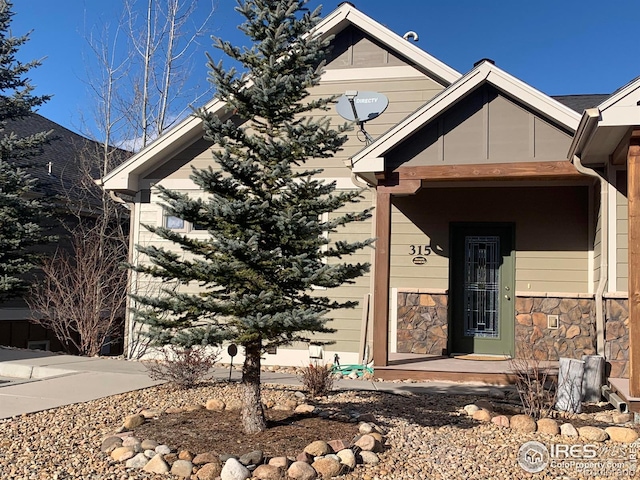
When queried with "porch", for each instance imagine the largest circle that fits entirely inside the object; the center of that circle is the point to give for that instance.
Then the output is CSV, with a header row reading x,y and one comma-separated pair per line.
x,y
451,369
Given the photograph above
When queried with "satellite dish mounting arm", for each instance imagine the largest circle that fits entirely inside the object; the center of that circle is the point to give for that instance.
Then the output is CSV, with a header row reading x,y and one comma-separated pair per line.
x,y
351,96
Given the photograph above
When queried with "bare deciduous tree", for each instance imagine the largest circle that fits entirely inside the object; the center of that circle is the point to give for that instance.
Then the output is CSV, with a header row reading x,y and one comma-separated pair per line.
x,y
81,296
141,66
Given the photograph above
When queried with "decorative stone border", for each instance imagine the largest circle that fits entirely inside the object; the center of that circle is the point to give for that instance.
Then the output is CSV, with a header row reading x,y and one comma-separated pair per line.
x,y
549,426
319,459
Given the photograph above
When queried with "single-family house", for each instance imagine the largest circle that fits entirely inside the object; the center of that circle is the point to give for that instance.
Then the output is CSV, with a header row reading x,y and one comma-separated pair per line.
x,y
500,212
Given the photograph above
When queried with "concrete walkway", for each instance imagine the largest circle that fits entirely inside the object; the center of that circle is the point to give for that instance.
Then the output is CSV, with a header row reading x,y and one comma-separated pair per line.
x,y
32,381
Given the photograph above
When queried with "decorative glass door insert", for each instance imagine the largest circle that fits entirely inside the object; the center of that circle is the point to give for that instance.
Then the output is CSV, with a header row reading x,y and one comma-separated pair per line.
x,y
482,286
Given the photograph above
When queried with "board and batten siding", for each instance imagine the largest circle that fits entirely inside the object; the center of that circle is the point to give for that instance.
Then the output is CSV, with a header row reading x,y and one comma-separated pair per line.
x,y
551,234
484,127
597,238
353,48
622,232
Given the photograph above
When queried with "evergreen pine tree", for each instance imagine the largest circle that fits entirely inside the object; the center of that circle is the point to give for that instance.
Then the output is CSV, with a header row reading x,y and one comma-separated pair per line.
x,y
20,211
265,213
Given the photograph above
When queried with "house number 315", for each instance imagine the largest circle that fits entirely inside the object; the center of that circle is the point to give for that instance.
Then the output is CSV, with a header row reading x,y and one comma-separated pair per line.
x,y
419,249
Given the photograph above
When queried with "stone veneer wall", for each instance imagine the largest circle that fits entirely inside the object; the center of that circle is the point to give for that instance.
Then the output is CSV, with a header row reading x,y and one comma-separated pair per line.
x,y
616,341
422,323
574,337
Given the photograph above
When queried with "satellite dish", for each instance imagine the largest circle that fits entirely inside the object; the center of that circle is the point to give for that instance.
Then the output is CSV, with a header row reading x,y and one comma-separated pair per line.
x,y
361,106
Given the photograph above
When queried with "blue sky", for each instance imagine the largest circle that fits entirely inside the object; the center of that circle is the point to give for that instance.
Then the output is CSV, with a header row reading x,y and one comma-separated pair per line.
x,y
559,47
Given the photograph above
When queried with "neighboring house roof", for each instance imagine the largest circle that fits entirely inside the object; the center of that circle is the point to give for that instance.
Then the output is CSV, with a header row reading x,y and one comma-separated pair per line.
x,y
371,159
125,177
580,103
59,168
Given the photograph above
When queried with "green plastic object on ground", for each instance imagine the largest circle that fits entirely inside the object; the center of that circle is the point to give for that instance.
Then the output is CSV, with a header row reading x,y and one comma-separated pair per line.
x,y
347,370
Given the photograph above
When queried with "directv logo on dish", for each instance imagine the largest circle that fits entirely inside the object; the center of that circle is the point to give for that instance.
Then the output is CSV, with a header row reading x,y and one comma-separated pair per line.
x,y
366,100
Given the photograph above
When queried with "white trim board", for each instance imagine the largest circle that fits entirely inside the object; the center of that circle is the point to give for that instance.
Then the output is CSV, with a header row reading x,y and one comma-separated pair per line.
x,y
342,183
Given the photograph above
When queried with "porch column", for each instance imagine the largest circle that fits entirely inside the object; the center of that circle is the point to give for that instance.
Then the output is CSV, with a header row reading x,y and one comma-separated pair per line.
x,y
381,279
633,196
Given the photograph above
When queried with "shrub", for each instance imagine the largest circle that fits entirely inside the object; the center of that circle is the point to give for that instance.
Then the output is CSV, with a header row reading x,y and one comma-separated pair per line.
x,y
535,383
183,367
317,379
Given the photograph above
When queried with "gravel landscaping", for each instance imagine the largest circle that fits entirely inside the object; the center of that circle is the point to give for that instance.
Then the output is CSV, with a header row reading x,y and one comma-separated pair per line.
x,y
427,436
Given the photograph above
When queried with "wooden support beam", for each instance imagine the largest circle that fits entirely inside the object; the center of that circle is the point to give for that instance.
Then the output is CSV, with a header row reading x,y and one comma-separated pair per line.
x,y
400,187
381,279
633,196
490,171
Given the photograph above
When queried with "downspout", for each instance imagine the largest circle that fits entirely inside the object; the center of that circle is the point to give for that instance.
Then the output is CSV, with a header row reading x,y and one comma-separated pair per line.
x,y
364,347
604,251
128,324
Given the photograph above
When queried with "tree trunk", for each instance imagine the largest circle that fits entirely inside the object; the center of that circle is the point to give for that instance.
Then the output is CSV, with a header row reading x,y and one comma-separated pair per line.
x,y
253,420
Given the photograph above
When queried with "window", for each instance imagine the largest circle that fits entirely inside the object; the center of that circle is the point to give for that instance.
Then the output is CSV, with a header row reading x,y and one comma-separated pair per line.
x,y
174,223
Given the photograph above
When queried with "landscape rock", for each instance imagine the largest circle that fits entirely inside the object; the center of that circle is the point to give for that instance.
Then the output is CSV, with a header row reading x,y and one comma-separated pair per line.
x,y
368,443
185,455
318,448
548,426
134,443
156,465
592,434
215,404
304,457
327,467
193,408
267,472
365,428
163,449
133,421
568,430
337,445
482,415
622,434
109,444
150,453
369,458
305,408
501,420
604,417
182,468
139,461
471,409
120,454
621,417
282,462
149,444
234,470
301,471
254,457
209,471
206,457
149,413
347,457
523,423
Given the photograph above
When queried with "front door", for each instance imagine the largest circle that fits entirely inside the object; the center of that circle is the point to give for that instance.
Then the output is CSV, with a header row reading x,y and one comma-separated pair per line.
x,y
482,286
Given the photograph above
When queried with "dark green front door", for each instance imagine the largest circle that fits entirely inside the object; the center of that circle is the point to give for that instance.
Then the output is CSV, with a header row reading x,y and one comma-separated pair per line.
x,y
482,286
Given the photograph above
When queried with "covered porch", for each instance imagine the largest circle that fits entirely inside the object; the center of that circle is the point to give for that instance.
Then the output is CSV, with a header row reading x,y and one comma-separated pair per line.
x,y
482,217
